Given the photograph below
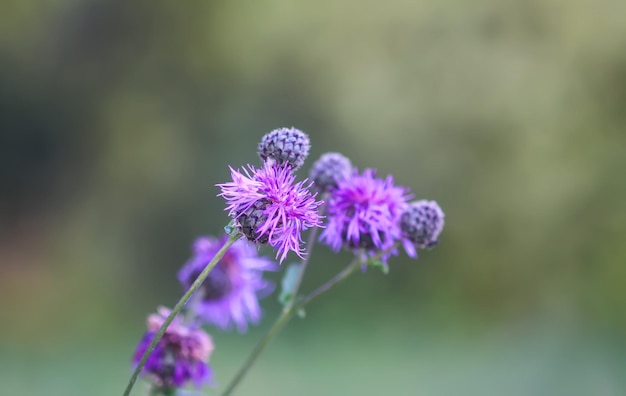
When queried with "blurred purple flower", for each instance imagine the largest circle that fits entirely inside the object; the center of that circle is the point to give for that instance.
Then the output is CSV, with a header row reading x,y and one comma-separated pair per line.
x,y
182,355
269,208
364,213
328,169
421,223
229,295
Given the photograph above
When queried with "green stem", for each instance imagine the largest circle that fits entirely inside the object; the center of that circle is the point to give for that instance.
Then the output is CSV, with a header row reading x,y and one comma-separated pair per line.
x,y
337,279
196,284
340,277
260,346
310,243
285,315
283,319
290,310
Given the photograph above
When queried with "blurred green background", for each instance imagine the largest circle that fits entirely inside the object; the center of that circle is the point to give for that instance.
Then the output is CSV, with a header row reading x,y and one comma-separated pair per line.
x,y
117,118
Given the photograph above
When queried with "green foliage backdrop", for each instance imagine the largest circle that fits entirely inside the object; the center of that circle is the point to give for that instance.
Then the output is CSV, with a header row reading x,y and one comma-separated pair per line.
x,y
117,118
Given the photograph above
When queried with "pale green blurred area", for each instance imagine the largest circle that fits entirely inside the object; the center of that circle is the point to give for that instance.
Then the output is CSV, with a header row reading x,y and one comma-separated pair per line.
x,y
117,119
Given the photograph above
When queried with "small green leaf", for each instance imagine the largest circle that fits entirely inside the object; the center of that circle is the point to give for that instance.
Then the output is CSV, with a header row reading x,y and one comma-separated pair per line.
x,y
379,264
288,283
301,313
231,228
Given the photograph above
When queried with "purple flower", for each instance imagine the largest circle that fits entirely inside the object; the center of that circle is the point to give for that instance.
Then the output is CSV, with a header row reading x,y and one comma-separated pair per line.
x,y
285,146
182,355
269,208
421,223
328,170
229,295
364,213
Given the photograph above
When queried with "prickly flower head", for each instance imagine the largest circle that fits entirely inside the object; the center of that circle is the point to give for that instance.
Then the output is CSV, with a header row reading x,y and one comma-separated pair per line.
x,y
328,170
421,224
364,213
229,295
180,356
285,146
269,208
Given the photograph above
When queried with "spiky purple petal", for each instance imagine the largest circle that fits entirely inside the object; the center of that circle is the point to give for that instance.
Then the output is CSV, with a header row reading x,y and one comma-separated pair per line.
x,y
279,209
364,213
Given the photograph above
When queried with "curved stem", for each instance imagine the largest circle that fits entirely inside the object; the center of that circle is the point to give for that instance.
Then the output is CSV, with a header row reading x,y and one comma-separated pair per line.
x,y
290,310
181,303
310,243
337,279
260,346
340,277
283,319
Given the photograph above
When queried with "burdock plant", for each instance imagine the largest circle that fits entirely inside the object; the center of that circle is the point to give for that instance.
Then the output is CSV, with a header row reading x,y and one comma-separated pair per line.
x,y
223,280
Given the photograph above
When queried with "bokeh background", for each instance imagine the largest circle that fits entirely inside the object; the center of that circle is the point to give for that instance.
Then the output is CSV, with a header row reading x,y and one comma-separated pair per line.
x,y
118,117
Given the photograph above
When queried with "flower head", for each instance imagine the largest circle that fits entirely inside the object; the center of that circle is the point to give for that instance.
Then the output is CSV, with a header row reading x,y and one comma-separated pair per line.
x,y
328,170
285,146
180,356
269,208
229,295
421,223
364,213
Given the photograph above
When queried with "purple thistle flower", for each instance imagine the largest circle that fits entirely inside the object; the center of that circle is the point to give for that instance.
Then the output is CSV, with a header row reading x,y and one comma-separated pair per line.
x,y
364,213
229,295
182,355
328,170
421,223
269,208
285,145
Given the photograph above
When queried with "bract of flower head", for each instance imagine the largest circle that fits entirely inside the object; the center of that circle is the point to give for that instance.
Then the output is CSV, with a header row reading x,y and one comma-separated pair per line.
x,y
364,213
421,223
285,146
229,295
328,170
180,356
269,207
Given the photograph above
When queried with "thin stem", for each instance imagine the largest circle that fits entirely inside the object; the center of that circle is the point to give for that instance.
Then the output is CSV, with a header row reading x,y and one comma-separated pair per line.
x,y
260,346
337,279
283,319
194,286
310,243
288,313
189,316
340,277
